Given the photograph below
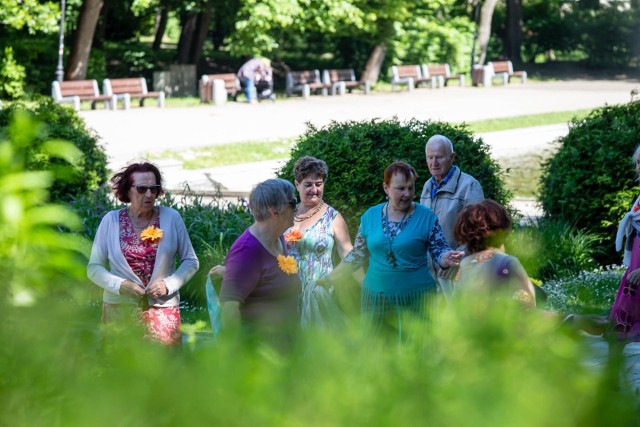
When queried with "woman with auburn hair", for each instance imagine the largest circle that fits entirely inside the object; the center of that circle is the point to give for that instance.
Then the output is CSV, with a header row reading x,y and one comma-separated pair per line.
x,y
488,271
394,238
483,227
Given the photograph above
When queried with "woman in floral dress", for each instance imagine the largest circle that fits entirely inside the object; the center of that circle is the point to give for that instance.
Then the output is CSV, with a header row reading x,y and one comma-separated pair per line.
x,y
317,230
139,244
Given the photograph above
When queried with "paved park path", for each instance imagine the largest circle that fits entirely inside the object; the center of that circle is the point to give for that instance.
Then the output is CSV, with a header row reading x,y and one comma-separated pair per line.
x,y
127,135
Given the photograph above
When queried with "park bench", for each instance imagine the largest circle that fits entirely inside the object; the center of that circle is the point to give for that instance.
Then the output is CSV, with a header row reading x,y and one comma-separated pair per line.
x,y
344,79
410,75
128,88
217,87
504,71
305,82
442,73
76,91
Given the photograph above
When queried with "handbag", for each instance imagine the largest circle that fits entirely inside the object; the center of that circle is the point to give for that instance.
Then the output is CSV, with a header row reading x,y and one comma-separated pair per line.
x,y
213,306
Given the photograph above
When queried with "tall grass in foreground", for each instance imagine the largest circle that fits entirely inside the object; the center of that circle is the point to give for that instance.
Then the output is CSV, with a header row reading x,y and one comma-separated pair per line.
x,y
476,367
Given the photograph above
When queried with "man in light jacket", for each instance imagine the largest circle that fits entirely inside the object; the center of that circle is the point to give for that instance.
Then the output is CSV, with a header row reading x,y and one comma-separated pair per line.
x,y
446,193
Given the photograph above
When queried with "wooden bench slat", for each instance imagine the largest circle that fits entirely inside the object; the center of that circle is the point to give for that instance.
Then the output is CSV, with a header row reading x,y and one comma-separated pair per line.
x,y
132,87
305,81
504,69
231,85
74,91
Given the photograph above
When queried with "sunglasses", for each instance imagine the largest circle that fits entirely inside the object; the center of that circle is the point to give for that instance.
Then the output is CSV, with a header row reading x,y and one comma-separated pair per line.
x,y
142,189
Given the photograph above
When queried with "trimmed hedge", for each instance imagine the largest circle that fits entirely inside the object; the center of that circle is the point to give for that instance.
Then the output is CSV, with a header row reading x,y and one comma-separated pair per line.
x,y
58,122
358,152
589,182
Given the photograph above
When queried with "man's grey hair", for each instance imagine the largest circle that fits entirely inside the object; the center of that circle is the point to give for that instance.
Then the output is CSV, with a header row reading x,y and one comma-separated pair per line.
x,y
273,193
443,139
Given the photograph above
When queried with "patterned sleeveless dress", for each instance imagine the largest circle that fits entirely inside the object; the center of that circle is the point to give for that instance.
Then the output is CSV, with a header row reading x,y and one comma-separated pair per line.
x,y
314,254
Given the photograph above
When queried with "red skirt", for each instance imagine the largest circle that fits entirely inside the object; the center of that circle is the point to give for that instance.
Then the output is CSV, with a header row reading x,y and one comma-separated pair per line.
x,y
162,324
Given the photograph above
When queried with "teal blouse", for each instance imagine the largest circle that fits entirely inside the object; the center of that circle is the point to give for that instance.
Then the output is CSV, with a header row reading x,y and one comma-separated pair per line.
x,y
410,247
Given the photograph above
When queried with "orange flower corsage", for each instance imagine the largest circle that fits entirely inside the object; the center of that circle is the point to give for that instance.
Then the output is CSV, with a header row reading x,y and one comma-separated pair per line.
x,y
151,234
293,236
287,264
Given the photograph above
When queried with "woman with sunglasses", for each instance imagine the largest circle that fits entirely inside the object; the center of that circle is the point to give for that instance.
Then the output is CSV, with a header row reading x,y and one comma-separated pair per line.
x,y
139,243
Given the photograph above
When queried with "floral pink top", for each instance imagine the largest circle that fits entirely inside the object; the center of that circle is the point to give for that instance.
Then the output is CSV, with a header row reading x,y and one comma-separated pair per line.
x,y
140,255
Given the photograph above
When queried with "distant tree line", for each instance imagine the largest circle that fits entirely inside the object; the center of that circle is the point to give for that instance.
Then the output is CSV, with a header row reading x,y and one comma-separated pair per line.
x,y
107,36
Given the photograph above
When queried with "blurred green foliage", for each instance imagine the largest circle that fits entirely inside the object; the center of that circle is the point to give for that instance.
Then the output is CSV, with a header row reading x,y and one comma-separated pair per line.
x,y
357,154
12,76
36,258
480,366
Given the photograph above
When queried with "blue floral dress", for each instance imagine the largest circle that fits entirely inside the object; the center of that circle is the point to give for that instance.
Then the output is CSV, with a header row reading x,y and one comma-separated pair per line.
x,y
314,254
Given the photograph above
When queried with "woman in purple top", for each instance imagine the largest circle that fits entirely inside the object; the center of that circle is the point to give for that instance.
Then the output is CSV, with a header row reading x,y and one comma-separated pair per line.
x,y
261,287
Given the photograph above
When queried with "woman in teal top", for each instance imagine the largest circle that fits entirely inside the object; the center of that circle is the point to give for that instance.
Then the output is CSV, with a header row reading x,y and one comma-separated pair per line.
x,y
395,238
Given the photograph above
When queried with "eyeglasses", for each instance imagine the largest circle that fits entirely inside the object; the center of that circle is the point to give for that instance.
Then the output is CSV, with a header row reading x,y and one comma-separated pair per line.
x,y
142,189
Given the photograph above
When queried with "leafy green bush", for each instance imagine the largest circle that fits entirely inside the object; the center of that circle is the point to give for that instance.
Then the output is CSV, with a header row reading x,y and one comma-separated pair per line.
x,y
58,122
552,248
38,53
589,181
358,152
12,76
36,259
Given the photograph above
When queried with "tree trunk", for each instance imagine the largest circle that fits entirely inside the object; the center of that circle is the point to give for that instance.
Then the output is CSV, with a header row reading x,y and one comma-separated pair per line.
x,y
372,69
484,28
202,28
186,37
513,36
161,27
83,39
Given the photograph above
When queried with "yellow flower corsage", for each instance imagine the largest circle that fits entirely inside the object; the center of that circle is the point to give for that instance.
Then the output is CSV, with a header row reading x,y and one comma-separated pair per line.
x,y
151,234
536,282
293,236
287,264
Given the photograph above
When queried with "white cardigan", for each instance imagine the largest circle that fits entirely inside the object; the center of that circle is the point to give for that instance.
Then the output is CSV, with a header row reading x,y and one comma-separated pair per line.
x,y
175,242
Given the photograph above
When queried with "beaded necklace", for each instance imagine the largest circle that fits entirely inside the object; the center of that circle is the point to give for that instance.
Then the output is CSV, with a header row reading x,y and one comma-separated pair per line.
x,y
298,218
391,257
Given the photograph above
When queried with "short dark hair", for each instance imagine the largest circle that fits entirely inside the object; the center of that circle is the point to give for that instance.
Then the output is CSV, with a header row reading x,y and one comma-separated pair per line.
x,y
307,166
121,181
399,167
482,225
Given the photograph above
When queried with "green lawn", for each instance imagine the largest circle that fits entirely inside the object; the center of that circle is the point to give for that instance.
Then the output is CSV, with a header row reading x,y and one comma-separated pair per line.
x,y
228,154
505,123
